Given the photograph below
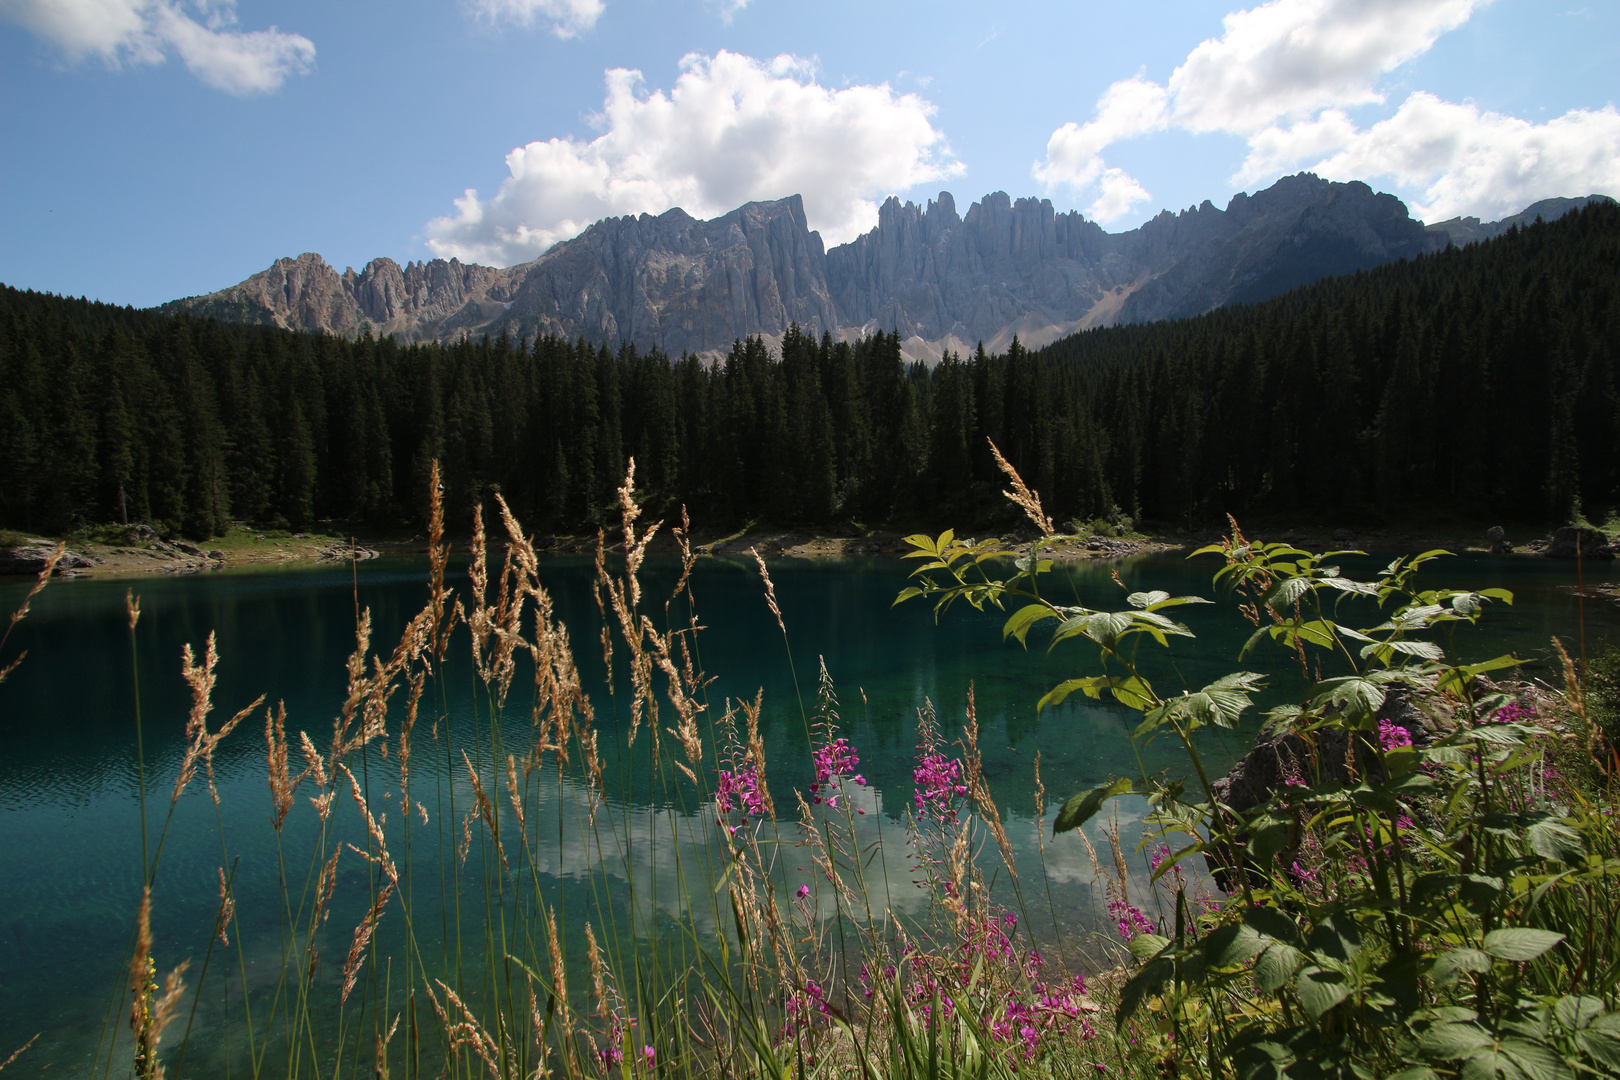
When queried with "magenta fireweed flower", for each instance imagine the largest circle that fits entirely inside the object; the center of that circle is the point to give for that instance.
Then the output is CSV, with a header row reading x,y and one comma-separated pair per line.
x,y
1392,735
938,780
741,786
1129,920
834,762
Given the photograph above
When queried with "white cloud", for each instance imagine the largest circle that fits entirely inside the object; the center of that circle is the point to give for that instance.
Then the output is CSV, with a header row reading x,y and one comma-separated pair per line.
x,y
733,129
1280,75
1291,58
567,17
1481,163
146,31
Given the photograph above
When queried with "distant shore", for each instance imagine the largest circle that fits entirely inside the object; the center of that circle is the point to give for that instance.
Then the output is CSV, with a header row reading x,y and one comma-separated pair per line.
x,y
246,547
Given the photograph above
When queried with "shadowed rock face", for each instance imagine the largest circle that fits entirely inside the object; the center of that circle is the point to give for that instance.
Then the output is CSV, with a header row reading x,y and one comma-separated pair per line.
x,y
943,280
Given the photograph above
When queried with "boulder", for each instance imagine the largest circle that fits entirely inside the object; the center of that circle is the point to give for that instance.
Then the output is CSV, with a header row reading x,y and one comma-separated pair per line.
x,y
1592,544
32,559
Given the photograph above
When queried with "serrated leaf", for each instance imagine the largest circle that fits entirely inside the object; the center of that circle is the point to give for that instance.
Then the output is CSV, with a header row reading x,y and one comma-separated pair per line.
x,y
1146,600
1232,945
1601,1046
1445,1042
1275,966
1536,1060
1022,620
1090,686
1081,808
1271,923
1320,990
1553,841
1577,1011
1520,943
1450,965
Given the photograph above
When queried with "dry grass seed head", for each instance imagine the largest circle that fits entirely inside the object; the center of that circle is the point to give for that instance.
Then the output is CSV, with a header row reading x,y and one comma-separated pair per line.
x,y
485,811
362,938
770,589
21,612
1021,495
989,813
226,912
17,1053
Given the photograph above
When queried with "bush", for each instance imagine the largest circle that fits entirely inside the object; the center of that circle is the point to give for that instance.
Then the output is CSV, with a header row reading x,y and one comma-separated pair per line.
x,y
1405,903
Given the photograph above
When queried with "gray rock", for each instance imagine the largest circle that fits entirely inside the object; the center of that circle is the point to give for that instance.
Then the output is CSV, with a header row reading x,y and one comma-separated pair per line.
x,y
1592,544
942,280
32,559
1495,534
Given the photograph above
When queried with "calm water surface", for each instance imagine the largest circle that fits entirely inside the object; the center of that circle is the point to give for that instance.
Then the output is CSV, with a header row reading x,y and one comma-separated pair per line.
x,y
70,833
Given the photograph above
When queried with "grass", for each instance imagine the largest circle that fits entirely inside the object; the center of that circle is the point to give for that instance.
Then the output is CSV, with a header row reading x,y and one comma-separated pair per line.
x,y
459,957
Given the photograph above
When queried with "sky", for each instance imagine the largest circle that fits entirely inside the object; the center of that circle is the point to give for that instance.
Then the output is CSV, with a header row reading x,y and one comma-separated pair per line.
x,y
155,149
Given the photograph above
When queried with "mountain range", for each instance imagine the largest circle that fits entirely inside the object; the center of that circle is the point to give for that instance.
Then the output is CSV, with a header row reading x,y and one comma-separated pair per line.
x,y
945,281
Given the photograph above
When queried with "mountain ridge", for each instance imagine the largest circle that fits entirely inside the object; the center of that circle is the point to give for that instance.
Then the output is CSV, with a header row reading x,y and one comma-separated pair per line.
x,y
945,281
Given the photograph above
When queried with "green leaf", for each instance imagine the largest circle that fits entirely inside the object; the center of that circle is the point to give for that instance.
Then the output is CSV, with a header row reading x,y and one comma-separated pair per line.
x,y
1147,980
1320,990
906,594
1233,946
1273,924
1578,1011
1275,966
1444,1042
1520,943
1092,687
1536,1060
1147,946
1602,1047
1553,841
1146,600
1448,966
1023,619
1081,808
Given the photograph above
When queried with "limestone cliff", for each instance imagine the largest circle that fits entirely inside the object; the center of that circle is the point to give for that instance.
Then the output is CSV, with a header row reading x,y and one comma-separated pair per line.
x,y
943,280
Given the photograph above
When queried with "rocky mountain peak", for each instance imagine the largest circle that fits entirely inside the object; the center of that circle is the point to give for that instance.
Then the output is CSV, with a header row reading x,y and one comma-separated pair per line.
x,y
943,280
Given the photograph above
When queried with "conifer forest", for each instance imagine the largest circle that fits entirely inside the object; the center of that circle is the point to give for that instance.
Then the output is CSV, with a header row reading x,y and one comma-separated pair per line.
x,y
1481,380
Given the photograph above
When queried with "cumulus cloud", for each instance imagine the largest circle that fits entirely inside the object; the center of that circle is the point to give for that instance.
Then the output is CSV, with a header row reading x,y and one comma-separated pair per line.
x,y
1483,164
147,31
1283,75
566,17
732,129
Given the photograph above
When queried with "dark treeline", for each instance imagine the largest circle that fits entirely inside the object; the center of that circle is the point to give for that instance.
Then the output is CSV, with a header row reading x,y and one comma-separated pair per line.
x,y
1479,380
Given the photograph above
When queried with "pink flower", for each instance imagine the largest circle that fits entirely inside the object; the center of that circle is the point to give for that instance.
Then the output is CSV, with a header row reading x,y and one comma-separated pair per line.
x,y
804,891
1392,735
938,780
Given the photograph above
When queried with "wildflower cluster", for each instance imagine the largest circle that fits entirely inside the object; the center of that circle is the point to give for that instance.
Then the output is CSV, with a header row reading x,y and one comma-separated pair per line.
x,y
938,782
834,761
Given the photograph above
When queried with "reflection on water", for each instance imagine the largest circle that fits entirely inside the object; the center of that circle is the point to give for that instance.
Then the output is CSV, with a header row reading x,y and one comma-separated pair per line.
x,y
649,862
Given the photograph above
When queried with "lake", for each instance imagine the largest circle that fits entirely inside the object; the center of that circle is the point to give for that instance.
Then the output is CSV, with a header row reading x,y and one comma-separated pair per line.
x,y
70,843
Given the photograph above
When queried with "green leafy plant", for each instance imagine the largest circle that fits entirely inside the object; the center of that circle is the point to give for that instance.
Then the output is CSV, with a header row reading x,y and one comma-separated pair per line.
x,y
1437,902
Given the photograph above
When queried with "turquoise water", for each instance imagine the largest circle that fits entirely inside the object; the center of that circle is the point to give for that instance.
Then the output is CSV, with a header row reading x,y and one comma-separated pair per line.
x,y
69,832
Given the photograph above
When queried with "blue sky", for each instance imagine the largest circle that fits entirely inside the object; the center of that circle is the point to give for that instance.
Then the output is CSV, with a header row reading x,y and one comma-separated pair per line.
x,y
163,148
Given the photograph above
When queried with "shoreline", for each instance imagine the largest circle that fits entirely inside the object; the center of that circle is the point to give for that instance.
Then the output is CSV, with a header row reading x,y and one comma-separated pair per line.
x,y
243,548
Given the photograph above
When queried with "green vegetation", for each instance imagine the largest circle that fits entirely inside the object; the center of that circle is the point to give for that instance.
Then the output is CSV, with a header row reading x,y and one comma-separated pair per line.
x,y
1431,888
1479,381
1413,902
